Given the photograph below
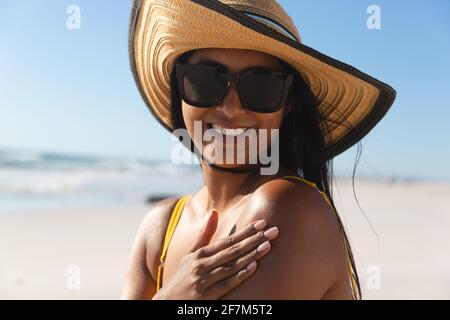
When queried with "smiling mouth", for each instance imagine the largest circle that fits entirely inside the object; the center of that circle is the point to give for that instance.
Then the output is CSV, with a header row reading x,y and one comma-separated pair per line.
x,y
226,131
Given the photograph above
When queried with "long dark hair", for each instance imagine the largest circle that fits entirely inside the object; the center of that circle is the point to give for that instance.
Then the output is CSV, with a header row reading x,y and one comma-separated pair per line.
x,y
302,143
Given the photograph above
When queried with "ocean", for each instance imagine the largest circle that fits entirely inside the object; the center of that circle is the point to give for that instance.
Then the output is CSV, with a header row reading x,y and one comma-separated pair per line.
x,y
36,180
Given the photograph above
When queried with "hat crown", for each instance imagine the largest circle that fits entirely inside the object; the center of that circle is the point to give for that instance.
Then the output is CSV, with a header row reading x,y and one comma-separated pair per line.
x,y
268,12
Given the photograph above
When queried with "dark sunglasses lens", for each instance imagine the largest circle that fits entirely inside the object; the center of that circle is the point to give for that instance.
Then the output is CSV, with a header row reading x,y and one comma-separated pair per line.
x,y
203,86
262,92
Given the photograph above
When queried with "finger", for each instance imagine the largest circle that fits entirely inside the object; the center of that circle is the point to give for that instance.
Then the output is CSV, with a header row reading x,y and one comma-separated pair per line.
x,y
207,231
225,271
221,288
221,244
241,248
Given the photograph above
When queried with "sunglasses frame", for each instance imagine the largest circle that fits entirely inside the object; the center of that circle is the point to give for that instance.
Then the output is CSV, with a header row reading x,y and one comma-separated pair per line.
x,y
182,69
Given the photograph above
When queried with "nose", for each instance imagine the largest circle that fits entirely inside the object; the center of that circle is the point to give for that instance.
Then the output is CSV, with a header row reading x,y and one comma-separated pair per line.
x,y
231,104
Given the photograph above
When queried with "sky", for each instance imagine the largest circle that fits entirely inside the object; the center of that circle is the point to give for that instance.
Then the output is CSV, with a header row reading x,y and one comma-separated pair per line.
x,y
72,91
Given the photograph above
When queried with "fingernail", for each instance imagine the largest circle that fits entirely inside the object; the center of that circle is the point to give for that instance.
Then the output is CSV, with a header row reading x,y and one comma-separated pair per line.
x,y
251,266
263,247
271,233
260,224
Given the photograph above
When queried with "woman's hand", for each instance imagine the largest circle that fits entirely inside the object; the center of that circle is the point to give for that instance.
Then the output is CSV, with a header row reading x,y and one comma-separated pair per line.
x,y
209,271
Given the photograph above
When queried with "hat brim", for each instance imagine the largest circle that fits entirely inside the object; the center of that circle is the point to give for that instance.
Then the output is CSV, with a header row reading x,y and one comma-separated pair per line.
x,y
350,101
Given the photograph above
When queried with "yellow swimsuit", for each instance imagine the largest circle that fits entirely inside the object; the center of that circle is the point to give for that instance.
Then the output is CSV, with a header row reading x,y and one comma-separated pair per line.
x,y
176,214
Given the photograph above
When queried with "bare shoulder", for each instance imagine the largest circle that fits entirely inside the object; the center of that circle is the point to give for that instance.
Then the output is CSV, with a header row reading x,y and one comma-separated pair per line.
x,y
308,255
153,227
292,201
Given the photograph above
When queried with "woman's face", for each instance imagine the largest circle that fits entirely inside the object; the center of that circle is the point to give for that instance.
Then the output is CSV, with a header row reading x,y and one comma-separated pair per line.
x,y
230,113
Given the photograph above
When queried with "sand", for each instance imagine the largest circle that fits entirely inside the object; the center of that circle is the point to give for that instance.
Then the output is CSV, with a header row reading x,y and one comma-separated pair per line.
x,y
42,253
37,250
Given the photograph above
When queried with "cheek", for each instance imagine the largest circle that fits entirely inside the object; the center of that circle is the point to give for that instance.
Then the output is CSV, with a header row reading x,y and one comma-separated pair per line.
x,y
191,115
267,123
271,120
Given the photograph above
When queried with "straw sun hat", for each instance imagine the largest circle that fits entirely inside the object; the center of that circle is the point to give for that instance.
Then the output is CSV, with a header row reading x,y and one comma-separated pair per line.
x,y
350,101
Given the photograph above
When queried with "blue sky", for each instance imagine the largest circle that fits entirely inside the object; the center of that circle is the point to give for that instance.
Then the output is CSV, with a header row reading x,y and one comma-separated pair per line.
x,y
72,91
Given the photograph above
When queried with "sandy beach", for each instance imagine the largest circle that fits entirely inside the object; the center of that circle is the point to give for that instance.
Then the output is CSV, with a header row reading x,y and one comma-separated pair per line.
x,y
38,250
407,258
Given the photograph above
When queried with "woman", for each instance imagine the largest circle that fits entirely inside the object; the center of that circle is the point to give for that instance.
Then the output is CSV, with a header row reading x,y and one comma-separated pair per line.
x,y
236,67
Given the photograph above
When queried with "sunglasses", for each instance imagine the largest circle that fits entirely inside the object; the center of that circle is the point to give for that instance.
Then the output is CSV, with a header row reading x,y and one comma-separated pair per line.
x,y
259,89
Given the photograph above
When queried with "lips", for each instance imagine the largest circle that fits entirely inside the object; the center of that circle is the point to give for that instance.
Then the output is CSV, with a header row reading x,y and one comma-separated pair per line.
x,y
227,131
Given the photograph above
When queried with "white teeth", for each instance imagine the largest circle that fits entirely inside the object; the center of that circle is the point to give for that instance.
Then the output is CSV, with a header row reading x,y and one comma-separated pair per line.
x,y
227,131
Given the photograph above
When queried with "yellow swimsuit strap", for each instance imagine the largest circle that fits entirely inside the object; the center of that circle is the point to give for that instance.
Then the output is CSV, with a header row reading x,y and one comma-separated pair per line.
x,y
174,218
351,272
